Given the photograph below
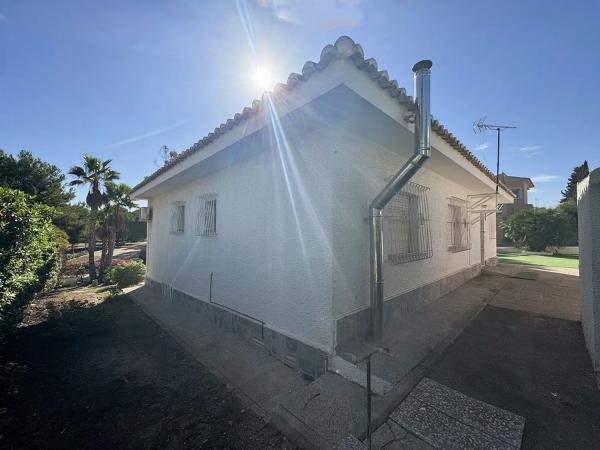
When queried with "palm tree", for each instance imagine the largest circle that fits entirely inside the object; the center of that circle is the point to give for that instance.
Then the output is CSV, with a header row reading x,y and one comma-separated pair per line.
x,y
95,173
117,198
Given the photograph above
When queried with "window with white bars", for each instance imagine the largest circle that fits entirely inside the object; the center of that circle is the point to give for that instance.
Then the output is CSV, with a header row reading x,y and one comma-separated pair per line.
x,y
206,224
178,218
458,228
406,231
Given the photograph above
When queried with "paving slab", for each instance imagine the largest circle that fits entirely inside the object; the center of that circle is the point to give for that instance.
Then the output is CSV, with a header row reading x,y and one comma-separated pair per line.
x,y
496,422
445,418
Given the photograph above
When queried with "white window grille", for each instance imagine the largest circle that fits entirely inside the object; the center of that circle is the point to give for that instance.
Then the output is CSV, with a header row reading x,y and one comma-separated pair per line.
x,y
407,236
459,230
206,224
178,218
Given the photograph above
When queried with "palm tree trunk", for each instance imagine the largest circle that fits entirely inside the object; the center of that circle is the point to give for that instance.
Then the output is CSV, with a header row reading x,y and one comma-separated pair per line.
x,y
92,242
112,239
103,266
112,236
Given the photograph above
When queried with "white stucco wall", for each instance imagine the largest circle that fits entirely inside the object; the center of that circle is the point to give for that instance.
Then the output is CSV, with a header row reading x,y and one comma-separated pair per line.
x,y
362,168
293,243
588,213
271,257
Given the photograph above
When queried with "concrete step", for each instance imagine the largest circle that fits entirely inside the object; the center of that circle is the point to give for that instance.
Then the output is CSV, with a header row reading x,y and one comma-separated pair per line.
x,y
358,374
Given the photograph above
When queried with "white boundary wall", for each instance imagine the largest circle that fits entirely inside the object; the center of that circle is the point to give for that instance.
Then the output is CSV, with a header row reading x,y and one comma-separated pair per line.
x,y
588,210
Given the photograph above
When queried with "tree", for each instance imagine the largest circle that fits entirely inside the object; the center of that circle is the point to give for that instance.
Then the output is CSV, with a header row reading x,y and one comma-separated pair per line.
x,y
95,173
44,182
73,219
537,228
30,253
568,212
578,174
117,202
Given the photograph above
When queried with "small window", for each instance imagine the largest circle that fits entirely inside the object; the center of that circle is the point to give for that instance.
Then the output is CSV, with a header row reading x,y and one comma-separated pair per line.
x,y
458,231
207,216
178,218
406,230
517,192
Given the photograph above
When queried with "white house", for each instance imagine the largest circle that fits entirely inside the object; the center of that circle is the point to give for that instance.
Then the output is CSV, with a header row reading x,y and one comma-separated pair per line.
x,y
264,224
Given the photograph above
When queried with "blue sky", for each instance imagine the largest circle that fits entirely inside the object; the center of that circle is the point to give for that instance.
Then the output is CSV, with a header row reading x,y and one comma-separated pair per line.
x,y
119,79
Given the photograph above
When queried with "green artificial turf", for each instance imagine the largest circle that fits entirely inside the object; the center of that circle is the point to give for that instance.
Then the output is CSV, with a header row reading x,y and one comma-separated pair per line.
x,y
571,262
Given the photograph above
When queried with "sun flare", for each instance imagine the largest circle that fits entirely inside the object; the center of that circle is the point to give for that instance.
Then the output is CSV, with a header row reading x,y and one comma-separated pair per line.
x,y
263,77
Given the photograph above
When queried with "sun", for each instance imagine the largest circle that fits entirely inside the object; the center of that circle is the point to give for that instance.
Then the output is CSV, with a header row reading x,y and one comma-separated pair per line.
x,y
263,77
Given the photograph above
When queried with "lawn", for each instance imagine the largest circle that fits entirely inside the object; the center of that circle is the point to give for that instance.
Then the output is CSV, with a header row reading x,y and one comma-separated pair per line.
x,y
571,262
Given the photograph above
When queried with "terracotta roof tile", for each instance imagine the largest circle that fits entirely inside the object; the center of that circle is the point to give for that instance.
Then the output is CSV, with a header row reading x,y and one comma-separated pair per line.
x,y
344,47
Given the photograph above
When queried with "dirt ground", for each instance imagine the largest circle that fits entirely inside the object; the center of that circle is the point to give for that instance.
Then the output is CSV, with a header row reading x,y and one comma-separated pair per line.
x,y
85,372
534,366
77,264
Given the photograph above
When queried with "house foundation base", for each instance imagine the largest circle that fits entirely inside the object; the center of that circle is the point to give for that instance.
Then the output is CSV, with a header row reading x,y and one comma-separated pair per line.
x,y
292,352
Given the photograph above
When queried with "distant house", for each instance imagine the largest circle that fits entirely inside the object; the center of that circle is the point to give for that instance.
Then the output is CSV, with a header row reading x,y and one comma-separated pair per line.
x,y
264,224
519,187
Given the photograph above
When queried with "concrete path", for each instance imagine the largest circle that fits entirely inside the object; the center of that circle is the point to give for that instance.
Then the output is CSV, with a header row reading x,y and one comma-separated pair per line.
x,y
422,331
337,407
554,293
259,379
532,365
321,413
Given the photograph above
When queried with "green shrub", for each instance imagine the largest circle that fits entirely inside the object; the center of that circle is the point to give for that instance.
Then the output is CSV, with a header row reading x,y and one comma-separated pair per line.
x,y
30,252
537,228
127,273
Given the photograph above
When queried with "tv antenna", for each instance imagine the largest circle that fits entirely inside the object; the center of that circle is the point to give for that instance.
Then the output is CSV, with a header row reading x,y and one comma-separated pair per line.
x,y
479,127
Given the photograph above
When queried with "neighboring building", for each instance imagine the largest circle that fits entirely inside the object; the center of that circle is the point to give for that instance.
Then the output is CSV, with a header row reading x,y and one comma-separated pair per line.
x,y
519,187
264,225
588,214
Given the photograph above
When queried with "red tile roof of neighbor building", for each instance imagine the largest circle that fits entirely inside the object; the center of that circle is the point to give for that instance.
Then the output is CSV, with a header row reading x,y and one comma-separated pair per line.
x,y
344,48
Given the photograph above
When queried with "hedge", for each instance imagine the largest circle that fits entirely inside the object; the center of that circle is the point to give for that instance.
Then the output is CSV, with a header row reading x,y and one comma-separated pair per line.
x,y
30,253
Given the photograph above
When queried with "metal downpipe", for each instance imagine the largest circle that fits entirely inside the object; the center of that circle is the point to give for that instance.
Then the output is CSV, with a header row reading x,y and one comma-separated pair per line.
x,y
422,152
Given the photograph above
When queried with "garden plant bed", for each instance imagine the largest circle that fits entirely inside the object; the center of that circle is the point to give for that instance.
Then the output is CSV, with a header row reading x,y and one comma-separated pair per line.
x,y
85,372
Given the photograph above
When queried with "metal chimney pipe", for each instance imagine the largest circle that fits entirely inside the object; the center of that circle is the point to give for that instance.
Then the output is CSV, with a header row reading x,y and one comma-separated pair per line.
x,y
422,151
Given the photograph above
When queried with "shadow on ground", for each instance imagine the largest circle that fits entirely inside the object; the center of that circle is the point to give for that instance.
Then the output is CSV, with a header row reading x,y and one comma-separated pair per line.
x,y
532,365
106,376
